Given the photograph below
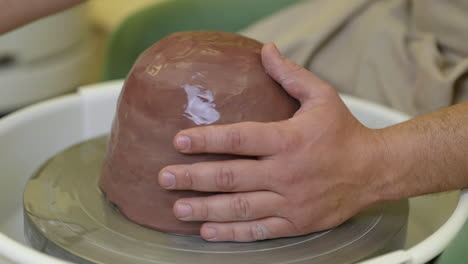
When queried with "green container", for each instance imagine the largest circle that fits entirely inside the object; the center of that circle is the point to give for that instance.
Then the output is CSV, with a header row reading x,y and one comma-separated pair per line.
x,y
457,250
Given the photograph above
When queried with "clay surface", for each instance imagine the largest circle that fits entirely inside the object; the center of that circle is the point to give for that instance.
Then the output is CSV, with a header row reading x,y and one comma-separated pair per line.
x,y
187,79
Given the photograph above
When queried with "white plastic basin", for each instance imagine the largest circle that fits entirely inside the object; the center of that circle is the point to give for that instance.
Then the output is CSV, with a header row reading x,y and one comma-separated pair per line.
x,y
50,58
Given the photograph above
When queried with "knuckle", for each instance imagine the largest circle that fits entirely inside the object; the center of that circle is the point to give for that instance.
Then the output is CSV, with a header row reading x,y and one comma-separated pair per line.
x,y
224,179
258,232
201,142
282,136
240,208
304,228
328,87
292,69
233,234
294,141
234,140
296,227
272,179
286,178
204,211
187,180
291,140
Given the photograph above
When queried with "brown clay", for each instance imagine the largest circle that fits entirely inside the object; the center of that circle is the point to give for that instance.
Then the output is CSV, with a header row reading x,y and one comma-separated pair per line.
x,y
185,80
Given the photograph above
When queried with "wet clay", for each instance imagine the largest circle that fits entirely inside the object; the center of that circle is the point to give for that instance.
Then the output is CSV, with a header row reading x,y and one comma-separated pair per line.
x,y
185,80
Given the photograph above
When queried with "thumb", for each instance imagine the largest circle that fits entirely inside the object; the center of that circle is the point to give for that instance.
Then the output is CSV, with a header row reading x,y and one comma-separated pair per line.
x,y
296,80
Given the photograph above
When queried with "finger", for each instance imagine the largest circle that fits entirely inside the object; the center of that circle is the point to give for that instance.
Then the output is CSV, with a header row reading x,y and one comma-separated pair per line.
x,y
229,207
218,176
296,80
247,138
267,228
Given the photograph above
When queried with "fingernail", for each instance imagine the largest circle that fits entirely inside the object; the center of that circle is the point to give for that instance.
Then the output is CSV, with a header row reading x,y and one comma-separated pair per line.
x,y
183,211
209,233
168,180
183,143
276,50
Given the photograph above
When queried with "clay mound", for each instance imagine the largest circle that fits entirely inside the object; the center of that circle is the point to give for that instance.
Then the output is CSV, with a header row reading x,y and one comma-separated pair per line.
x,y
187,79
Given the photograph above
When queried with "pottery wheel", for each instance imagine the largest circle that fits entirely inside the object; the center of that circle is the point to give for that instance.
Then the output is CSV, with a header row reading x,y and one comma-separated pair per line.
x,y
67,216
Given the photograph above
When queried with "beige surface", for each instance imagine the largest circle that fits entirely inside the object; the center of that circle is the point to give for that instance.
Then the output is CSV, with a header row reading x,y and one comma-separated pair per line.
x,y
107,14
409,54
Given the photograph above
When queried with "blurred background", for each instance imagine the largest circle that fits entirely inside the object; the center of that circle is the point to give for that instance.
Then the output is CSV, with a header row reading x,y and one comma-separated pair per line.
x,y
104,17
56,54
100,40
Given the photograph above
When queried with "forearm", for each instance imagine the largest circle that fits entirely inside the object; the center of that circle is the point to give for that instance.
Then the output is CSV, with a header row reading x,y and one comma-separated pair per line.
x,y
15,13
427,154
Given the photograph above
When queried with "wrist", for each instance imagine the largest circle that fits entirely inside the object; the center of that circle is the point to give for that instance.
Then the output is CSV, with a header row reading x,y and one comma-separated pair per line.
x,y
368,163
398,160
384,167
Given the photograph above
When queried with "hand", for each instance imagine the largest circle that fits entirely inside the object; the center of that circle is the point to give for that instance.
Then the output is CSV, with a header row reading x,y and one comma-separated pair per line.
x,y
313,171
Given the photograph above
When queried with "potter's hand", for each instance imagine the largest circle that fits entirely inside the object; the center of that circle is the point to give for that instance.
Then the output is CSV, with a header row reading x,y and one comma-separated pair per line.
x,y
312,174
